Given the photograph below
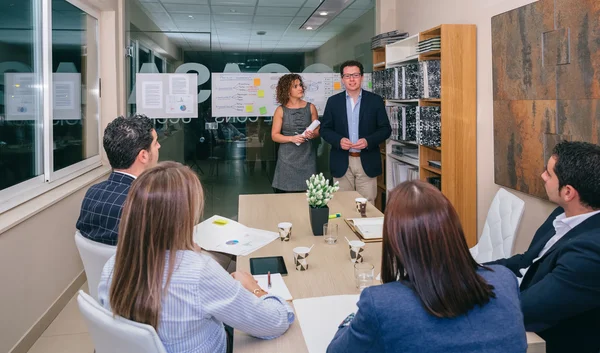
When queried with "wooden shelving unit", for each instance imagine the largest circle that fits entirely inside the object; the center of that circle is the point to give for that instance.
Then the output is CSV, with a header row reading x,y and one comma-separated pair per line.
x,y
380,200
457,152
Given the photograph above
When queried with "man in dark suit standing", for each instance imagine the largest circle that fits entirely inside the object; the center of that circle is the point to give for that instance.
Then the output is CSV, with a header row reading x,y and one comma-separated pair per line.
x,y
560,272
131,146
355,123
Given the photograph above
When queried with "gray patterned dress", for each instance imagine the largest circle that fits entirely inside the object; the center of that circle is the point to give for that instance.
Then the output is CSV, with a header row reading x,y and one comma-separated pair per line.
x,y
295,164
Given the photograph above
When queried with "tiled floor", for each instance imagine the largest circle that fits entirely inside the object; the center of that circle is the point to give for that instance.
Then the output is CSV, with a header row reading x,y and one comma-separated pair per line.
x,y
68,333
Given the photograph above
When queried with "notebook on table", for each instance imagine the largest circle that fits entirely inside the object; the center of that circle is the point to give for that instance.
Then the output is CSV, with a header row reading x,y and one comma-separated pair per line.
x,y
369,230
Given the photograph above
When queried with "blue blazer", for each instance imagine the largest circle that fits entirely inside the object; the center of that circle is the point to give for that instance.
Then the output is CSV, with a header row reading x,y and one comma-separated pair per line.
x,y
373,125
391,318
560,293
102,207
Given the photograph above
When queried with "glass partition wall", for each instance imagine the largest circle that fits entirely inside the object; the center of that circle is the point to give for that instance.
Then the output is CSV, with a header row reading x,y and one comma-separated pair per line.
x,y
232,155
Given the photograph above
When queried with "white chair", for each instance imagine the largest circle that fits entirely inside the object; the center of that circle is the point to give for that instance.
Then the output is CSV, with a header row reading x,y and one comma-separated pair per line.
x,y
94,256
112,334
499,232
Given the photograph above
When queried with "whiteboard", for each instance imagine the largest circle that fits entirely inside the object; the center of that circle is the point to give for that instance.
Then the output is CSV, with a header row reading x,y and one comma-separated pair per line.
x,y
167,95
253,94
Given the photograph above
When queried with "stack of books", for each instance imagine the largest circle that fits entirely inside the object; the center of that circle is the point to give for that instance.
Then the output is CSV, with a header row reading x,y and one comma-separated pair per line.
x,y
381,40
430,44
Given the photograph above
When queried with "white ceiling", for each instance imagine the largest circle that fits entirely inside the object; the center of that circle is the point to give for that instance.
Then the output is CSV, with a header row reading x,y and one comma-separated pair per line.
x,y
233,24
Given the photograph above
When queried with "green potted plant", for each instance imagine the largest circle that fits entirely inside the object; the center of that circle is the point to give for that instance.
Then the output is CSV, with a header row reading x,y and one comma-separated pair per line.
x,y
319,193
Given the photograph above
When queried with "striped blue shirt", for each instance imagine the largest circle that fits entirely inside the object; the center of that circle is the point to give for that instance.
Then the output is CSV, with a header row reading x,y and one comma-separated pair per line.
x,y
353,112
201,297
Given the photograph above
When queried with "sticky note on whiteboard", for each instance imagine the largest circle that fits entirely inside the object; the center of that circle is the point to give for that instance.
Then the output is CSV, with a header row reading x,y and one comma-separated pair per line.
x,y
260,93
337,85
249,109
263,110
257,81
370,84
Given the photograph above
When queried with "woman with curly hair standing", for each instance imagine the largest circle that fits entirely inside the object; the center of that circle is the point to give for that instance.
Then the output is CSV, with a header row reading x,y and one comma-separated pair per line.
x,y
296,159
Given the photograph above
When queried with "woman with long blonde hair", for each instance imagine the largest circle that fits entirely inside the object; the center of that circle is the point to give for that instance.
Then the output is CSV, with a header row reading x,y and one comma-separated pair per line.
x,y
161,278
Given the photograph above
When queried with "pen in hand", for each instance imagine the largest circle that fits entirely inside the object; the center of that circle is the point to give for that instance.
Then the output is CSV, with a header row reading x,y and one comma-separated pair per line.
x,y
269,280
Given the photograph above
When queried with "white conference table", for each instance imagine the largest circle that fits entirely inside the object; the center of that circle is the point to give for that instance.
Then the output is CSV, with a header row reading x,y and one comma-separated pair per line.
x,y
330,270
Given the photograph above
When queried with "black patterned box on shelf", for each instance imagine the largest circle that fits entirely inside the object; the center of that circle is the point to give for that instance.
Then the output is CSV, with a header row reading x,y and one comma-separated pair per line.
x,y
429,126
393,114
409,123
377,79
435,181
410,81
430,78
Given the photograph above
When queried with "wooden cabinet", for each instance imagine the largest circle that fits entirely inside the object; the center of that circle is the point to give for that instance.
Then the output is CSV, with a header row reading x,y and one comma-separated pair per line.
x,y
458,105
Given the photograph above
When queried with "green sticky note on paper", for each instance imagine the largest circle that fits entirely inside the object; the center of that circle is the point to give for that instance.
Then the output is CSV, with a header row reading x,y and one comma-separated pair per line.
x,y
370,84
261,93
249,109
263,110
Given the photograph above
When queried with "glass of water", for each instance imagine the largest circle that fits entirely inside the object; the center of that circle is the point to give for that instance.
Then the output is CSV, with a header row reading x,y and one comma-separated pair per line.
x,y
363,273
330,233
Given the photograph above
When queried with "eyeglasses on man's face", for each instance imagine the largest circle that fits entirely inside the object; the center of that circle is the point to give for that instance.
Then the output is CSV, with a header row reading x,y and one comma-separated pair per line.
x,y
348,76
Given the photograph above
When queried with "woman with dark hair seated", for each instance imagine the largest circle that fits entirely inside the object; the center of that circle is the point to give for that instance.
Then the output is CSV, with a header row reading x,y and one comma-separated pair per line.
x,y
434,297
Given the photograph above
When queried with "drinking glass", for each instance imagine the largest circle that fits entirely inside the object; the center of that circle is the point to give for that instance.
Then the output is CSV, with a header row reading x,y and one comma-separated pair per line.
x,y
363,273
330,233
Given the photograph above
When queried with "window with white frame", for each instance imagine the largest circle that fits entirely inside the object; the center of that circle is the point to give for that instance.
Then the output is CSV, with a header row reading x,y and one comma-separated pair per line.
x,y
49,96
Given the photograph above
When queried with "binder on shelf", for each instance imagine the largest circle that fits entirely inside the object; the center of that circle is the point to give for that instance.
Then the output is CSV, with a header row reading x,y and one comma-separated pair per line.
x,y
429,126
430,78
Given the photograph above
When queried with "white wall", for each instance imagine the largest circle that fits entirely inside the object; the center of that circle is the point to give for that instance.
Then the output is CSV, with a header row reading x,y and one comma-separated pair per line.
x,y
353,43
417,15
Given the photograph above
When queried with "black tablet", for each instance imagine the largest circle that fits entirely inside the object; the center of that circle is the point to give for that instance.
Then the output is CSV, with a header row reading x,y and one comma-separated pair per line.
x,y
262,265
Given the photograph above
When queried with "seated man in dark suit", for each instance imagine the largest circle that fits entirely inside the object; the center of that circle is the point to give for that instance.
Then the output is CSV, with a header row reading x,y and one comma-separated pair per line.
x,y
560,272
131,146
354,123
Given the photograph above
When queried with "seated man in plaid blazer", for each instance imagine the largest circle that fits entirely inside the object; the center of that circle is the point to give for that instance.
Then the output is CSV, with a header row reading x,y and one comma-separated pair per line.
x,y
131,146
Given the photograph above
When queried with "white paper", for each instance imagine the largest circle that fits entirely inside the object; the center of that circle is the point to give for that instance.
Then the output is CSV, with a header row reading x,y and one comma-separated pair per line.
x,y
320,317
64,95
232,238
179,84
310,127
369,228
278,286
19,96
180,104
152,95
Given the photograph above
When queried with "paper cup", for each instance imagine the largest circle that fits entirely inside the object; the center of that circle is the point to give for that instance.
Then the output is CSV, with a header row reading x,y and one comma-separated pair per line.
x,y
285,231
361,206
356,249
300,255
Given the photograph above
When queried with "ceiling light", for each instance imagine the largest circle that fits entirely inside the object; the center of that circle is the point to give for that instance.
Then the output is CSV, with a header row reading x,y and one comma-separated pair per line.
x,y
190,16
323,13
309,28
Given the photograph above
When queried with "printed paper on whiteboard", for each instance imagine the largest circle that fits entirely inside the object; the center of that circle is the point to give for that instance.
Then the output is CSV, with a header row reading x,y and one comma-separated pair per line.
x,y
152,95
180,104
179,84
64,95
